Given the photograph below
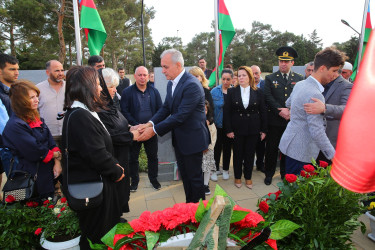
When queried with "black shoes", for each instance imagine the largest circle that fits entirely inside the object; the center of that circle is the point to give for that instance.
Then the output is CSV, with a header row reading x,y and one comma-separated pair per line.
x,y
156,185
207,190
133,188
268,181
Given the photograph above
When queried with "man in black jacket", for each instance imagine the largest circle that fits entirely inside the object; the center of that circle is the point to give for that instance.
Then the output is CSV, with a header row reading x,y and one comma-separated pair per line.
x,y
124,81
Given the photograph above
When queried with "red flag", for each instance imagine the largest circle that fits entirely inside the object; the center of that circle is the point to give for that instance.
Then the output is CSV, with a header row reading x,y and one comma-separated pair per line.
x,y
354,162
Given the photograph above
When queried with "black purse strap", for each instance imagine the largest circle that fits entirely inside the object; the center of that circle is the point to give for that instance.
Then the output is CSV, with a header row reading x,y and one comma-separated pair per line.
x,y
20,171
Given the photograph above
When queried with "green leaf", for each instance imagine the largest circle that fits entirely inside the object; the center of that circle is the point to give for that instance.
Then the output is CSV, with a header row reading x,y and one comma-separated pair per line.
x,y
243,232
109,237
236,238
97,246
220,191
273,197
238,216
121,242
282,228
165,235
124,228
200,211
151,239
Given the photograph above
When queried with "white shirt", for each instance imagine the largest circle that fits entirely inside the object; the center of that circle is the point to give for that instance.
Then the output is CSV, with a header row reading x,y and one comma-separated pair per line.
x,y
51,103
320,86
245,96
176,80
78,104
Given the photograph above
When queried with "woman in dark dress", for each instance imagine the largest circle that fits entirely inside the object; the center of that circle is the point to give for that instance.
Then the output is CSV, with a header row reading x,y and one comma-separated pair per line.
x,y
29,138
244,121
90,153
118,128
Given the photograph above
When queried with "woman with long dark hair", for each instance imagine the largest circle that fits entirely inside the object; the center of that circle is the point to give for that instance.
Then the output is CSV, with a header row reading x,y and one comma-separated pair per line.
x,y
90,153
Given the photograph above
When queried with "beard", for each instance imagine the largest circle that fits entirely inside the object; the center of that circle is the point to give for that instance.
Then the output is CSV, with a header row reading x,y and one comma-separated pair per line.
x,y
54,79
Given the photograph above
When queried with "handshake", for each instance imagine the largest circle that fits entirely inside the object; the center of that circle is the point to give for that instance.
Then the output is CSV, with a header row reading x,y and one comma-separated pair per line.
x,y
142,132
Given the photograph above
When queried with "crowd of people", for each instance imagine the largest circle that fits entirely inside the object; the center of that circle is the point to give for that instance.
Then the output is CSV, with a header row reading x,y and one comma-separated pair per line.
x,y
100,119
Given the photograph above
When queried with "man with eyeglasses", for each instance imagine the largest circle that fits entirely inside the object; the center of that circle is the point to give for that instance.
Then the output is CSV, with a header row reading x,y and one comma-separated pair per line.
x,y
309,69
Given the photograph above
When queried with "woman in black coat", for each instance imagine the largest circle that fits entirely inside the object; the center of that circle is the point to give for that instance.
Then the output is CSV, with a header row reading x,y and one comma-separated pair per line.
x,y
244,121
90,153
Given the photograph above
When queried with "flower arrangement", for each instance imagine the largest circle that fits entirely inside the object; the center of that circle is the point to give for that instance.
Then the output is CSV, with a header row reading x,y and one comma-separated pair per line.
x,y
157,227
326,212
59,223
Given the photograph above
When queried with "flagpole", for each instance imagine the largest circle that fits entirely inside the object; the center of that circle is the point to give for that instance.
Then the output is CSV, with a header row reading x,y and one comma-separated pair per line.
x,y
77,33
143,37
217,46
362,34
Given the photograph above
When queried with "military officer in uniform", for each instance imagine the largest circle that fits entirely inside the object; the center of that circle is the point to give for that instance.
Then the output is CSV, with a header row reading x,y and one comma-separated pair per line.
x,y
277,89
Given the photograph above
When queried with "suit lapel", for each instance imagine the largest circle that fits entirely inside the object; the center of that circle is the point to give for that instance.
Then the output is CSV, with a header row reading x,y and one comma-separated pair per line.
x,y
179,87
169,94
332,89
238,96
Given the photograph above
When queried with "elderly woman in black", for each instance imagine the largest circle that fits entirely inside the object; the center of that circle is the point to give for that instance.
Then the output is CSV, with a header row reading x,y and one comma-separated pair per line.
x,y
244,121
90,153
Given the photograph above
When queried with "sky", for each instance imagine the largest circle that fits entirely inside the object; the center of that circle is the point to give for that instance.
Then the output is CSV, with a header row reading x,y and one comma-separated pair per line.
x,y
186,18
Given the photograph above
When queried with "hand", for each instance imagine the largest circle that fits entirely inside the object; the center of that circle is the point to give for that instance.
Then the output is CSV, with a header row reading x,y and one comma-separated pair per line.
x,y
57,168
262,136
146,134
317,107
132,128
142,127
123,175
135,134
205,151
284,113
230,135
57,155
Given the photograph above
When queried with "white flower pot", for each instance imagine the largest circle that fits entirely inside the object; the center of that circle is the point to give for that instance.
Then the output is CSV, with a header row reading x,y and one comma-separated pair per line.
x,y
72,244
183,240
372,225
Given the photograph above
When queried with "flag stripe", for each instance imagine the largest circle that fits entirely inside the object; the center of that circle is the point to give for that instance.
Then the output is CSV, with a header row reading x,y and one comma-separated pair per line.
x,y
222,8
90,19
88,3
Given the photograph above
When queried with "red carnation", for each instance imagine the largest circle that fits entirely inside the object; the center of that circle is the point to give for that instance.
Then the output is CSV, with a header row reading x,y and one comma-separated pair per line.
x,y
45,202
323,164
290,178
309,168
58,216
38,231
63,199
30,204
263,206
62,209
305,174
10,199
51,206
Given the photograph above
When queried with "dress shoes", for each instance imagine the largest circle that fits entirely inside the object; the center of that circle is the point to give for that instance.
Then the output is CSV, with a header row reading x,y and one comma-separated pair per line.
x,y
268,181
238,183
249,184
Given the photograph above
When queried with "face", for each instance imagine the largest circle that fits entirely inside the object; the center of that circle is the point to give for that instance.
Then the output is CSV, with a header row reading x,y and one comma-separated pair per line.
x,y
328,75
141,76
346,73
98,87
285,66
34,99
227,80
243,78
100,65
152,77
169,68
55,72
112,91
9,74
202,64
121,73
256,73
309,70
199,78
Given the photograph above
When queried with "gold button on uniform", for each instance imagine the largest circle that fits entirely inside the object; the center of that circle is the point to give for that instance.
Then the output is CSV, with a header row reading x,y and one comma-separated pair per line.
x,y
286,94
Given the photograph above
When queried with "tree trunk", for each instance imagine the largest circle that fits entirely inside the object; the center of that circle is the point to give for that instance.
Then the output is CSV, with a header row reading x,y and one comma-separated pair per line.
x,y
11,40
70,54
60,15
114,61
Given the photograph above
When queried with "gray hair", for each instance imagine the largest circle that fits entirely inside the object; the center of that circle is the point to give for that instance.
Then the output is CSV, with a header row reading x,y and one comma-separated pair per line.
x,y
176,56
110,77
309,64
135,72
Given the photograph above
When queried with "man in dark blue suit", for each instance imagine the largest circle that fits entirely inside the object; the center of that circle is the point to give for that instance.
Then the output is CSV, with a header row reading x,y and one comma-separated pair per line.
x,y
183,114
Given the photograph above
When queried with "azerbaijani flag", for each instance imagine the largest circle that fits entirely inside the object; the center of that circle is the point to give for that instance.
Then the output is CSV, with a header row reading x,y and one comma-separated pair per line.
x,y
93,26
226,34
368,28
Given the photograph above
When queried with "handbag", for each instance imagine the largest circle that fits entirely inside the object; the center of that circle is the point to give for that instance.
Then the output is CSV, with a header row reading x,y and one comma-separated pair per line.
x,y
20,184
86,195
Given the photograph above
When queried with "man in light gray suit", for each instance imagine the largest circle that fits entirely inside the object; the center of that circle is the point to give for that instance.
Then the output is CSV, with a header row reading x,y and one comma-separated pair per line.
x,y
305,134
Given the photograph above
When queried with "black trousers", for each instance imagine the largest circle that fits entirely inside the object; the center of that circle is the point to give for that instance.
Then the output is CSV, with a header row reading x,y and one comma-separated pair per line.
x,y
243,155
272,151
260,151
322,157
223,143
151,148
190,167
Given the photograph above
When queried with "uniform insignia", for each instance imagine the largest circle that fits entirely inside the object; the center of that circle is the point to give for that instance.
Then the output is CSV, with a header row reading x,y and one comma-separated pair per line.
x,y
293,83
276,84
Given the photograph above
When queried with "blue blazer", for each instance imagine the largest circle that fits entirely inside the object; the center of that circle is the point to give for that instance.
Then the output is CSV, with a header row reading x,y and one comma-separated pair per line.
x,y
130,105
184,115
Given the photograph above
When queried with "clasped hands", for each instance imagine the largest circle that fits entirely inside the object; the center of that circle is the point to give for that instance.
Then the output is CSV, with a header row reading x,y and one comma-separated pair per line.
x,y
142,132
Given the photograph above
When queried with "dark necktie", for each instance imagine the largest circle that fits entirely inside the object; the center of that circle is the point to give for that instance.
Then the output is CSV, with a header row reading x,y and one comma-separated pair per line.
x,y
285,75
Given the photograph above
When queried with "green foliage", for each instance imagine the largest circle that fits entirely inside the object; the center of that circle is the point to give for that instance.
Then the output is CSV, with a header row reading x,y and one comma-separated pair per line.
x,y
143,160
326,213
17,226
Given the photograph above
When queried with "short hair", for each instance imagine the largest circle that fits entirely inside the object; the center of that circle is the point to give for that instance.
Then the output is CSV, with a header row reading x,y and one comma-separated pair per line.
x,y
20,100
309,64
5,58
81,85
94,60
251,76
121,68
329,57
227,71
202,58
48,64
196,71
110,77
229,66
176,56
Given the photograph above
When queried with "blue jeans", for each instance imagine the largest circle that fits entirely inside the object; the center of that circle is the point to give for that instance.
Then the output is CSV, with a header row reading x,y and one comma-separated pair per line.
x,y
6,156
